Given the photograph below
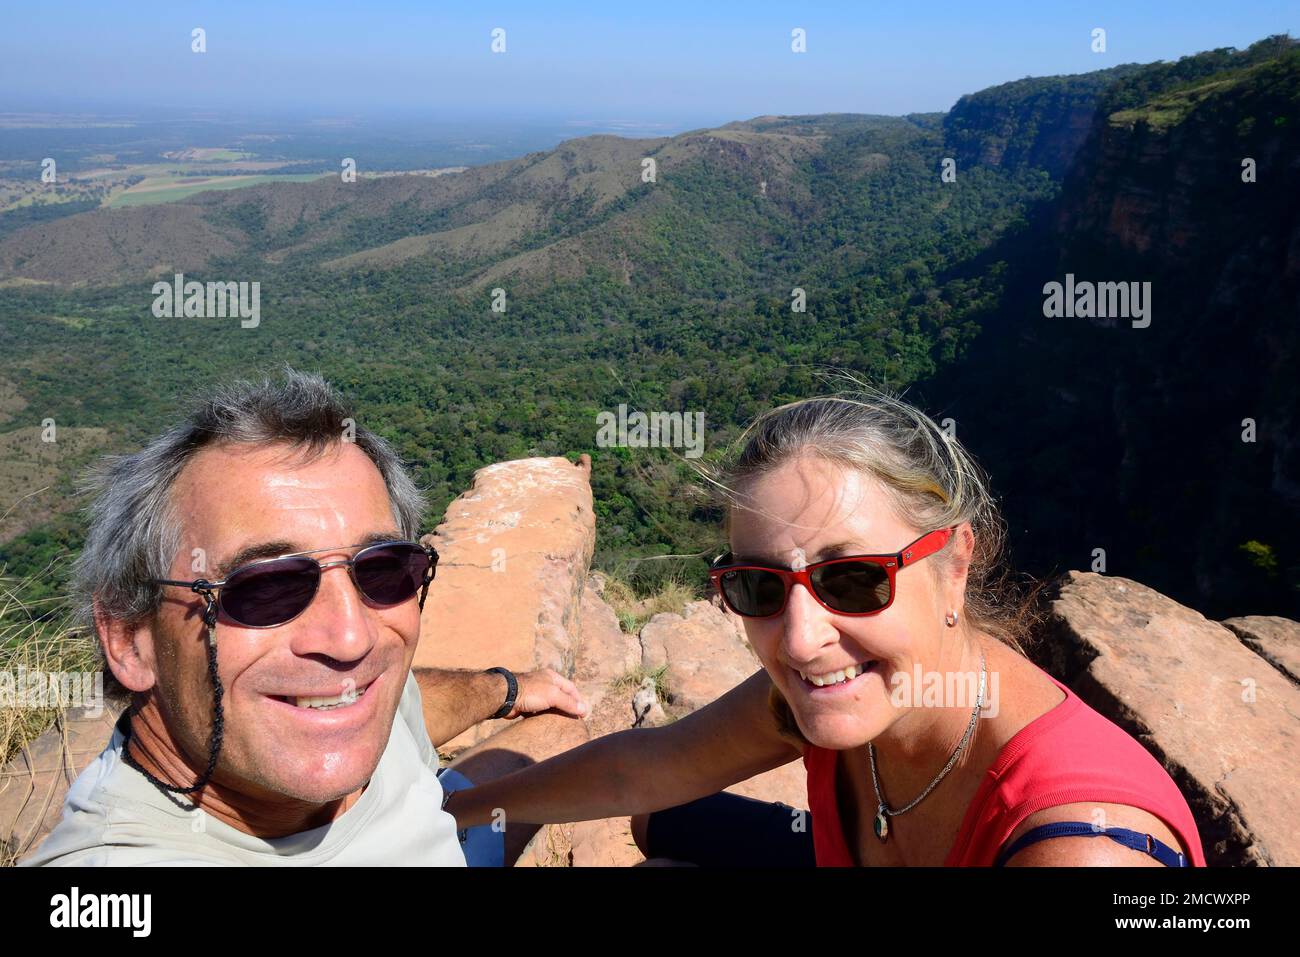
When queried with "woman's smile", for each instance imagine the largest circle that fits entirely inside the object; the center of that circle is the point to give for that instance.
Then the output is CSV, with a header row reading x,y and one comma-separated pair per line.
x,y
835,677
823,686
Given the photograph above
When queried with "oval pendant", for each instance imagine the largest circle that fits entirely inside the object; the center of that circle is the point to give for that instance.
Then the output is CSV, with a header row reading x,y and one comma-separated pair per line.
x,y
881,826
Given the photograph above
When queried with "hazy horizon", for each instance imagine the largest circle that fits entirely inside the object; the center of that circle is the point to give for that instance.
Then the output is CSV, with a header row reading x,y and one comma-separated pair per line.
x,y
665,69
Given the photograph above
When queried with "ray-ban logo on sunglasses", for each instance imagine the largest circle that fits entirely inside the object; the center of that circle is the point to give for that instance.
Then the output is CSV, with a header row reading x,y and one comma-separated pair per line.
x,y
274,591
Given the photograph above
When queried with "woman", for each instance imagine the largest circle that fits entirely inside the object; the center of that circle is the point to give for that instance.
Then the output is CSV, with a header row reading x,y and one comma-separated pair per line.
x,y
863,559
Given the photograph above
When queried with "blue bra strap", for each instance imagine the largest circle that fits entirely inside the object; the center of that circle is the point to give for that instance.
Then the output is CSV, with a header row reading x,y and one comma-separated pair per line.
x,y
1138,841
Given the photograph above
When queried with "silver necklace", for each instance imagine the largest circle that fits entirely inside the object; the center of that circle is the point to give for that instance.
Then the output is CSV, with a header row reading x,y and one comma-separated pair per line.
x,y
883,811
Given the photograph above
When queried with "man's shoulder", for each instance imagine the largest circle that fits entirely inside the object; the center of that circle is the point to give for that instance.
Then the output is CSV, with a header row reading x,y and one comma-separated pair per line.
x,y
109,820
115,856
410,719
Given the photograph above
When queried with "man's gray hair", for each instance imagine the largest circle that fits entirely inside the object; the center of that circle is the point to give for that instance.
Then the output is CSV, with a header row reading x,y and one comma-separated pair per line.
x,y
134,531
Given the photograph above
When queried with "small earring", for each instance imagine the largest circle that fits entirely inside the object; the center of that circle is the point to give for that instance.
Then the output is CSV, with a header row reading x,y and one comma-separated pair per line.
x,y
951,619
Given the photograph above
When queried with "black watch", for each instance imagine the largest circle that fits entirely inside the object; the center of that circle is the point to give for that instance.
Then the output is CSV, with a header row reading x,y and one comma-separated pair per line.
x,y
512,690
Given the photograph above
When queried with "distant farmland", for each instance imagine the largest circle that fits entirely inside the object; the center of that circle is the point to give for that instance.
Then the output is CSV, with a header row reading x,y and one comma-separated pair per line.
x,y
169,189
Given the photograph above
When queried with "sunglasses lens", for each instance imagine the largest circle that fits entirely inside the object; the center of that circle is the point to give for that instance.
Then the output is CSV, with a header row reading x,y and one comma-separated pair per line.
x,y
270,593
753,592
852,587
391,574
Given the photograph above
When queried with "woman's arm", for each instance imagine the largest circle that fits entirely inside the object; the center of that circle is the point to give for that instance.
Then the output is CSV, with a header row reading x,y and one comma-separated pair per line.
x,y
641,769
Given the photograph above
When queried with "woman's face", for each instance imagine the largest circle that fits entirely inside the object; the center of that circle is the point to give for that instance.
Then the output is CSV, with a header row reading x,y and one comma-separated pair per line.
x,y
806,511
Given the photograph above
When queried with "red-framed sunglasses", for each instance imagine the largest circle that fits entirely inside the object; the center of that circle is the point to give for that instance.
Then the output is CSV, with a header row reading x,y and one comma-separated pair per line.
x,y
853,585
274,591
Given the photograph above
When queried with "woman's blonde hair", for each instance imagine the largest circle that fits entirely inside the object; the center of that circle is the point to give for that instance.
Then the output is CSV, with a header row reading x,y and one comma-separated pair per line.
x,y
929,478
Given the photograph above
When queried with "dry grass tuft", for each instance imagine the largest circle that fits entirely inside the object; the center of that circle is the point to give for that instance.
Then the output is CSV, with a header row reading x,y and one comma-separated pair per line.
x,y
36,635
635,610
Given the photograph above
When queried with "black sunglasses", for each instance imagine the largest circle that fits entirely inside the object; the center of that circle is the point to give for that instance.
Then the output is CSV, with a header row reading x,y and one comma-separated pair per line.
x,y
274,591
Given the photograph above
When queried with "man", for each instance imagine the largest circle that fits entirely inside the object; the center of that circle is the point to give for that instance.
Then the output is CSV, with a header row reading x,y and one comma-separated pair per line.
x,y
256,585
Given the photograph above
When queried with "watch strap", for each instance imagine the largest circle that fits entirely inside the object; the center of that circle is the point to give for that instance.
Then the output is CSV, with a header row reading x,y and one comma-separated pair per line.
x,y
512,690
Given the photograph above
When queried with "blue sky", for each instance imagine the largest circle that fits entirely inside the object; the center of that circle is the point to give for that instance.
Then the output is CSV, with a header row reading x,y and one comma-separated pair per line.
x,y
669,62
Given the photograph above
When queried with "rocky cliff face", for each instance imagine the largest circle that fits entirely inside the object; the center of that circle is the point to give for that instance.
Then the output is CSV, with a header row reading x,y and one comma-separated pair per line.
x,y
1164,181
1036,122
1217,704
1219,714
1195,193
1177,451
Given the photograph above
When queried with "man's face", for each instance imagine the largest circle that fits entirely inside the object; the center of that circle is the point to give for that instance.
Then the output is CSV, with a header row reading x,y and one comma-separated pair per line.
x,y
240,503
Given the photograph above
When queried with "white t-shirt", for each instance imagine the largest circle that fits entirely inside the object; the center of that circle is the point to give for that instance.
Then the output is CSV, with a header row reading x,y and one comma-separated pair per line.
x,y
114,816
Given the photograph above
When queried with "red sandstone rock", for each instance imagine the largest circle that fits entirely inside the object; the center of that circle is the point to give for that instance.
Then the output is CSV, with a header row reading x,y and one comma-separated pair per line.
x,y
513,555
1220,718
1276,640
606,653
705,655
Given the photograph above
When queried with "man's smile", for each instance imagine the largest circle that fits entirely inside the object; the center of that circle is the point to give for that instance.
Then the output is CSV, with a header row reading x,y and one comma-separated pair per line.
x,y
347,710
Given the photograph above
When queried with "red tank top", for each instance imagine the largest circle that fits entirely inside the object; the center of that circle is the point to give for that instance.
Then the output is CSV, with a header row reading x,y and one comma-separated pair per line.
x,y
1068,755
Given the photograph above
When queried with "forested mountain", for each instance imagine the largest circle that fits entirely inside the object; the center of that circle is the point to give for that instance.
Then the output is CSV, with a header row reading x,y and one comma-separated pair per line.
x,y
1131,439
676,294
